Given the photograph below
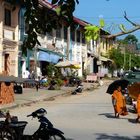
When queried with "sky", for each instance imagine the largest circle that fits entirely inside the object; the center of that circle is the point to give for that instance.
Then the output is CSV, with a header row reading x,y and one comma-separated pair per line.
x,y
112,11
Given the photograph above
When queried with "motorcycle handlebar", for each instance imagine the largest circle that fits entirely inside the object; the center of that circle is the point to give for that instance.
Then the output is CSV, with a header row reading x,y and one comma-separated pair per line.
x,y
29,115
32,114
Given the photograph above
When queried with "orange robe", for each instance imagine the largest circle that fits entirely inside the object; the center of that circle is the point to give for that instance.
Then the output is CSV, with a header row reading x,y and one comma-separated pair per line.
x,y
138,105
120,106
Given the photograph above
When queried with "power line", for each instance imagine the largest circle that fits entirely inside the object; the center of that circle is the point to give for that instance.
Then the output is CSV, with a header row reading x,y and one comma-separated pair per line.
x,y
132,17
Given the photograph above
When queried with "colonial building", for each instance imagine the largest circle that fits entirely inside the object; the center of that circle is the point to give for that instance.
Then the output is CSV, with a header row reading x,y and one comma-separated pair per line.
x,y
9,38
65,43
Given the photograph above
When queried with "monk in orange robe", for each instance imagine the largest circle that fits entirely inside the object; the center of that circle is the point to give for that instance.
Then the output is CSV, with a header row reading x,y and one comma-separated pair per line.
x,y
138,108
119,103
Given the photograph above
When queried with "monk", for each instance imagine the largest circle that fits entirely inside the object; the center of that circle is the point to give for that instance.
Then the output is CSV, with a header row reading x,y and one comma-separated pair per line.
x,y
138,109
119,103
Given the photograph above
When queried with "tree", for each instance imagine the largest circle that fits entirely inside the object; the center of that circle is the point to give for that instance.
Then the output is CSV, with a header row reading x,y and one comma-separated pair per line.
x,y
89,34
117,57
135,27
130,39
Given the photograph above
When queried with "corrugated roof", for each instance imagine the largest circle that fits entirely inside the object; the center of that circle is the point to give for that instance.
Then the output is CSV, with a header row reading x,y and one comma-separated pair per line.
x,y
49,5
79,21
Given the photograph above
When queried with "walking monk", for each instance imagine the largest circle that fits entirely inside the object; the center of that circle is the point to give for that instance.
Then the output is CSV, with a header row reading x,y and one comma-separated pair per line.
x,y
119,103
138,109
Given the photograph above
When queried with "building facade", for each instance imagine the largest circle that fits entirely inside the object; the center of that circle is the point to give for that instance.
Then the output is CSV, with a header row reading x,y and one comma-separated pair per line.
x,y
63,43
9,38
57,45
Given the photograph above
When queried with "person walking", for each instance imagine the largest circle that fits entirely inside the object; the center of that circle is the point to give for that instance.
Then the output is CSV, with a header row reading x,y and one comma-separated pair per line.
x,y
119,104
37,86
138,109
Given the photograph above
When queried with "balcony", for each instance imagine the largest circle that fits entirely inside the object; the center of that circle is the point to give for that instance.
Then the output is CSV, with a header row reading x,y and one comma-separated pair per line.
x,y
9,39
9,33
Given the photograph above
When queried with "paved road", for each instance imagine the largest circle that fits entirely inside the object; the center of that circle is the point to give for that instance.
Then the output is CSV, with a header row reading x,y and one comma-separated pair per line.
x,y
87,116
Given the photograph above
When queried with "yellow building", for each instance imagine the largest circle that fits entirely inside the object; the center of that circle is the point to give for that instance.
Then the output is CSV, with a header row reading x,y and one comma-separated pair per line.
x,y
9,38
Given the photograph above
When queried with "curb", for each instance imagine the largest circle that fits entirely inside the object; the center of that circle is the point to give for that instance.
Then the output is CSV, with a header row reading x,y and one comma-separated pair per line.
x,y
13,106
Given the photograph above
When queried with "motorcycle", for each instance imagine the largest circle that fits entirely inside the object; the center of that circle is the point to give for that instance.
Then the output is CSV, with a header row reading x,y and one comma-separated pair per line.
x,y
79,88
73,81
12,129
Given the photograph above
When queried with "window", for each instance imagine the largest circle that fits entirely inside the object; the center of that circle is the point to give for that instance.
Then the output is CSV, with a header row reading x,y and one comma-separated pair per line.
x,y
78,36
7,17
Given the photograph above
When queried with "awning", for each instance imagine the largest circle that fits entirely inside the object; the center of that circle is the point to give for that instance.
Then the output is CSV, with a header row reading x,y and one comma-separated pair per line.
x,y
50,51
104,59
48,57
67,63
13,79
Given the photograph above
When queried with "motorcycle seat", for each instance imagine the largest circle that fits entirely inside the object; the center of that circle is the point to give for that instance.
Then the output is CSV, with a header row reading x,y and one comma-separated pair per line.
x,y
18,124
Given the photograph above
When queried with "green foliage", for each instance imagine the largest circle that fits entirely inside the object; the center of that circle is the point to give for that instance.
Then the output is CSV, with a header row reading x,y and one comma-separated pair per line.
x,y
53,71
59,82
130,39
102,23
122,28
92,31
112,68
118,58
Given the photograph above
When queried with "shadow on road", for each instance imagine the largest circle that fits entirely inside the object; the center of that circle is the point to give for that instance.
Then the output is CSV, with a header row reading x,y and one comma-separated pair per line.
x,y
108,115
69,139
131,110
103,136
132,120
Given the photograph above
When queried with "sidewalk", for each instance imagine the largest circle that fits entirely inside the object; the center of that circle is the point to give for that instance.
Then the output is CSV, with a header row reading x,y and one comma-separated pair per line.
x,y
30,95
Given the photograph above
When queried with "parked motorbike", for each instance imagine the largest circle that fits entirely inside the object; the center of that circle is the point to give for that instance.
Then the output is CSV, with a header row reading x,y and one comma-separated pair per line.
x,y
52,85
79,88
73,81
13,130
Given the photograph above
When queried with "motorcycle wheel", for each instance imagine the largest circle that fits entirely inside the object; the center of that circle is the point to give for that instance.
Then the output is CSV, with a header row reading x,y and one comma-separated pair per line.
x,y
74,93
57,137
5,135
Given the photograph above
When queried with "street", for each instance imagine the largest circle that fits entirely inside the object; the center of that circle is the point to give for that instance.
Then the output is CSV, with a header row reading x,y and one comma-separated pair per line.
x,y
85,116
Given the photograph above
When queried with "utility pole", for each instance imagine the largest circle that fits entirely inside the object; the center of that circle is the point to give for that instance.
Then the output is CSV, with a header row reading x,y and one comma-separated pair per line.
x,y
130,62
124,60
68,42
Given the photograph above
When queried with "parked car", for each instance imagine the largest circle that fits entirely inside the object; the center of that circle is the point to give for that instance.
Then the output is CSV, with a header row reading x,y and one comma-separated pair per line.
x,y
132,77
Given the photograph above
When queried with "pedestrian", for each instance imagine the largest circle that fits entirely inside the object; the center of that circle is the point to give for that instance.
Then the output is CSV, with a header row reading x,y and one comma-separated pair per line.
x,y
37,86
101,82
119,104
138,109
